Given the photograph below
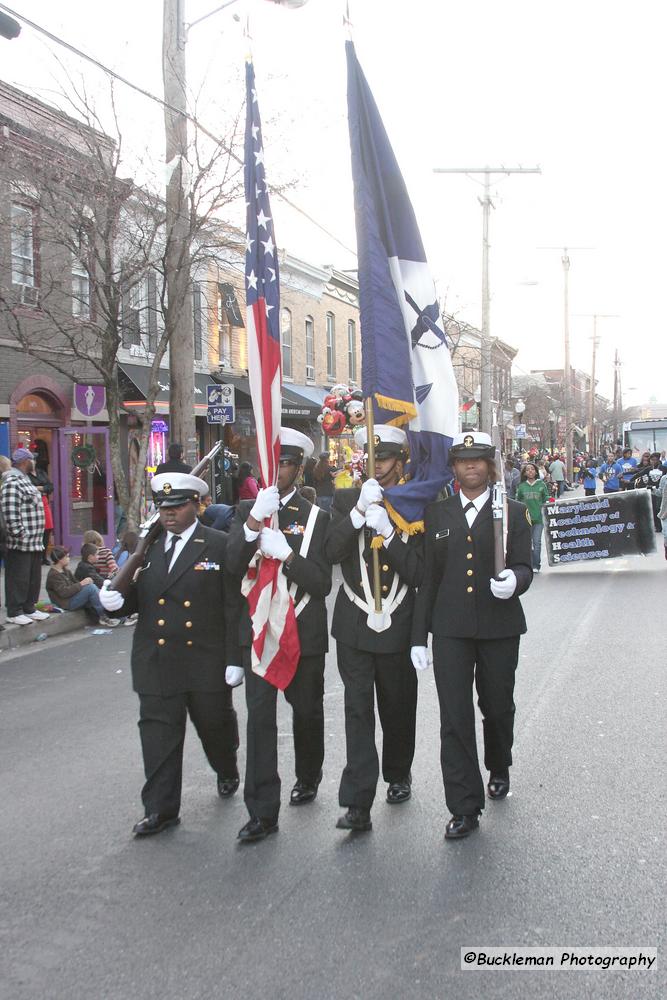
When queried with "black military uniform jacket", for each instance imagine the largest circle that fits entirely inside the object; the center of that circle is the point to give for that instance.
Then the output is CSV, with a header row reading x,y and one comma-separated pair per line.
x,y
187,631
403,558
455,598
311,574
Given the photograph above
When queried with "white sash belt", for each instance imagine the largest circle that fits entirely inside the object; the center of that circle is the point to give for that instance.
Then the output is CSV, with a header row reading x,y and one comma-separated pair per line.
x,y
393,599
303,551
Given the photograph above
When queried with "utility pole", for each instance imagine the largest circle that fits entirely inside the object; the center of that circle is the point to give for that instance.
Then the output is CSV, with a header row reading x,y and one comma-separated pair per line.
x,y
591,402
178,313
485,417
567,368
618,399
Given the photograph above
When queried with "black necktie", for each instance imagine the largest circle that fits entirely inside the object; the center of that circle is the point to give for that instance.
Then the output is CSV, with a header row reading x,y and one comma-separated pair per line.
x,y
172,548
469,506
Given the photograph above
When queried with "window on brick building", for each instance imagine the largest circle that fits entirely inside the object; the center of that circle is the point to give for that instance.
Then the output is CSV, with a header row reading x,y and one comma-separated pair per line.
x,y
286,341
24,263
331,347
351,350
310,349
224,331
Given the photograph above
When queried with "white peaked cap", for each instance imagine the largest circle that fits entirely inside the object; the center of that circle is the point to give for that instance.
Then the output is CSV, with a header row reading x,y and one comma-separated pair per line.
x,y
292,442
384,434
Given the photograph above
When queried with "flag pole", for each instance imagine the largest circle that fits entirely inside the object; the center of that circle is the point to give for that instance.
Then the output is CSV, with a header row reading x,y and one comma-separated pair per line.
x,y
370,470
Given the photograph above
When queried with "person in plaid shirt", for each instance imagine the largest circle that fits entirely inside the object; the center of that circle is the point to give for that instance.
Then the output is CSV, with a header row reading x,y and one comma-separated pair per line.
x,y
23,511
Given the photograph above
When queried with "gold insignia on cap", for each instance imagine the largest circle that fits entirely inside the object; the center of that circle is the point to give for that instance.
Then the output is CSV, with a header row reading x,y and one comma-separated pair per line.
x,y
377,440
468,441
166,488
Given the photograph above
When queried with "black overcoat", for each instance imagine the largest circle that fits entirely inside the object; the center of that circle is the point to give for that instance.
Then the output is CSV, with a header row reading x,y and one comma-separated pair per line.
x,y
187,633
311,574
455,597
349,623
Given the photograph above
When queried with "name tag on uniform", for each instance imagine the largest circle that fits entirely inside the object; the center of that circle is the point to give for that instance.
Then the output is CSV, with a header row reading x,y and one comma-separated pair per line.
x,y
207,566
294,529
442,534
294,508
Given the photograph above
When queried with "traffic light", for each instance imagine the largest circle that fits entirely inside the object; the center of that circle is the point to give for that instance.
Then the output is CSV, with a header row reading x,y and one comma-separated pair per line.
x,y
9,28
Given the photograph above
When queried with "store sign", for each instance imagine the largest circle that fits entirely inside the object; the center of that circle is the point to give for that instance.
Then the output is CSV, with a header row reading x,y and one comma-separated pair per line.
x,y
90,400
220,404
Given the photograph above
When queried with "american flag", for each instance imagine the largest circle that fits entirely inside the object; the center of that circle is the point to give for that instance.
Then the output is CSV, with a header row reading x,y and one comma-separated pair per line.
x,y
275,640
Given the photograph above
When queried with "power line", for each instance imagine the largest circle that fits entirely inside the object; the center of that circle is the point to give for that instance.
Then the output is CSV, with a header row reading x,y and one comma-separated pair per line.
x,y
158,100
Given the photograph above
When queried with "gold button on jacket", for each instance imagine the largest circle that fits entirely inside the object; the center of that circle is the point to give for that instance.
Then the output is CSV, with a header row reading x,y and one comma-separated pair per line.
x,y
161,601
186,604
160,622
188,624
470,589
161,642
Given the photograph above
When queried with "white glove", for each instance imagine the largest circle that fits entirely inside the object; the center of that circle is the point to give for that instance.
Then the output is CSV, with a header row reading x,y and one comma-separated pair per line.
x,y
274,544
266,503
234,676
111,600
371,492
378,519
504,586
419,657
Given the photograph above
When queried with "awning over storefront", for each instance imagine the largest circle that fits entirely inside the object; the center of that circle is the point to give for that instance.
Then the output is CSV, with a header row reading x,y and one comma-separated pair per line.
x,y
298,401
133,381
303,401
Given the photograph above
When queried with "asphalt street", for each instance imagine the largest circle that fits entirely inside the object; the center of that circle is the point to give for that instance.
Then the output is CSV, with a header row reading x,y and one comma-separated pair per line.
x,y
575,855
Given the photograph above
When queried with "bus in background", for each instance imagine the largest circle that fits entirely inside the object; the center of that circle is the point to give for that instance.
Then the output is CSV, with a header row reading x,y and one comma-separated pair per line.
x,y
645,435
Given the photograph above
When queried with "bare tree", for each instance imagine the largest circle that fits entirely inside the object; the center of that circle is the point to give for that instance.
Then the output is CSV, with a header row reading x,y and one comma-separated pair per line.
x,y
103,253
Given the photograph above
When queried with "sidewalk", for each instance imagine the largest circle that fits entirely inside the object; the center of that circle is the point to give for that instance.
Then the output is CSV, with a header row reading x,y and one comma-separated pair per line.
x,y
15,636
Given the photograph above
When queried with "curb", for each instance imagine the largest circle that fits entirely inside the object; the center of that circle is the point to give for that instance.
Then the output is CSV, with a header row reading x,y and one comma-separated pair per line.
x,y
16,636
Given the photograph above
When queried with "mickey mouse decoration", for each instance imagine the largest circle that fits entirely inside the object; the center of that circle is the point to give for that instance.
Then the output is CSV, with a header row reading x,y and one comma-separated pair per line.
x,y
342,409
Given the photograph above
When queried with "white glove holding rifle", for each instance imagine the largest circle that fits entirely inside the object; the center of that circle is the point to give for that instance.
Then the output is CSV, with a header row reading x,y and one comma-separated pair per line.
x,y
110,599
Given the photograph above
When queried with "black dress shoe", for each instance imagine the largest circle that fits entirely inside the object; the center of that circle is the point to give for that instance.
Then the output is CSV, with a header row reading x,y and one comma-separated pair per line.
x,y
356,818
227,786
498,786
155,823
461,826
257,829
399,791
303,792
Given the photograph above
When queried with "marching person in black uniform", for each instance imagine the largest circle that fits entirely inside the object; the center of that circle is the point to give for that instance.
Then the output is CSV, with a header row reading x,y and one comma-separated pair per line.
x,y
299,544
186,634
374,654
476,621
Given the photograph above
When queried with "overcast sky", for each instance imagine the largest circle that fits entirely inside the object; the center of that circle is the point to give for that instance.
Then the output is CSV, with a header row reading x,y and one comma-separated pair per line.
x,y
577,87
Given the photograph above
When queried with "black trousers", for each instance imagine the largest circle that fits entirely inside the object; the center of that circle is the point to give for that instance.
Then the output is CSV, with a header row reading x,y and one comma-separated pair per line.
x,y
23,579
393,678
162,723
492,663
306,696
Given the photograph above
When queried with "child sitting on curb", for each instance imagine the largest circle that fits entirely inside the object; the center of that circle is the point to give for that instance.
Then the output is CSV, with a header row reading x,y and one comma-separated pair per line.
x,y
67,592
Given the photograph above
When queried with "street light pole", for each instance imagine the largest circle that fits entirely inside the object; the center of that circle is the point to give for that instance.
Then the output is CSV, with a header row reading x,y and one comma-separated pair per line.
x,y
485,416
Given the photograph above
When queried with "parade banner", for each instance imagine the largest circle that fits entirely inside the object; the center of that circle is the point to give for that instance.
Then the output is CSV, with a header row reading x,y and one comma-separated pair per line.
x,y
588,529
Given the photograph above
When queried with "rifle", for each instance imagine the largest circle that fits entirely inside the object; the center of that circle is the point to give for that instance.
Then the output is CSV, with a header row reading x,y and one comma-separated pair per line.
x,y
148,532
499,507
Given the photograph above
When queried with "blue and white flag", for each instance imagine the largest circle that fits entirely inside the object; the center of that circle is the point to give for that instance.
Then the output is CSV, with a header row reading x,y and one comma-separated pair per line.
x,y
406,366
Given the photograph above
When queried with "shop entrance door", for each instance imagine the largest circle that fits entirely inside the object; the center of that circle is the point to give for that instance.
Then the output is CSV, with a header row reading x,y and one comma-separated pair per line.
x,y
86,485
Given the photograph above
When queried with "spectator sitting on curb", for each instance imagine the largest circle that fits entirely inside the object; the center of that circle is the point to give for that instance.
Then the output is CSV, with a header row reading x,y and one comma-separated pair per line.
x,y
65,591
87,563
106,564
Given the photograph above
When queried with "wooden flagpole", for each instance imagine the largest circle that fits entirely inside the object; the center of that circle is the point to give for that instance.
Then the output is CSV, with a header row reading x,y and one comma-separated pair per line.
x,y
370,471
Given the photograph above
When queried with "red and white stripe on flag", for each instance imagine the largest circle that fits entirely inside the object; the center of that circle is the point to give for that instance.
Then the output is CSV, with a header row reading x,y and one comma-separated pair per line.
x,y
275,639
